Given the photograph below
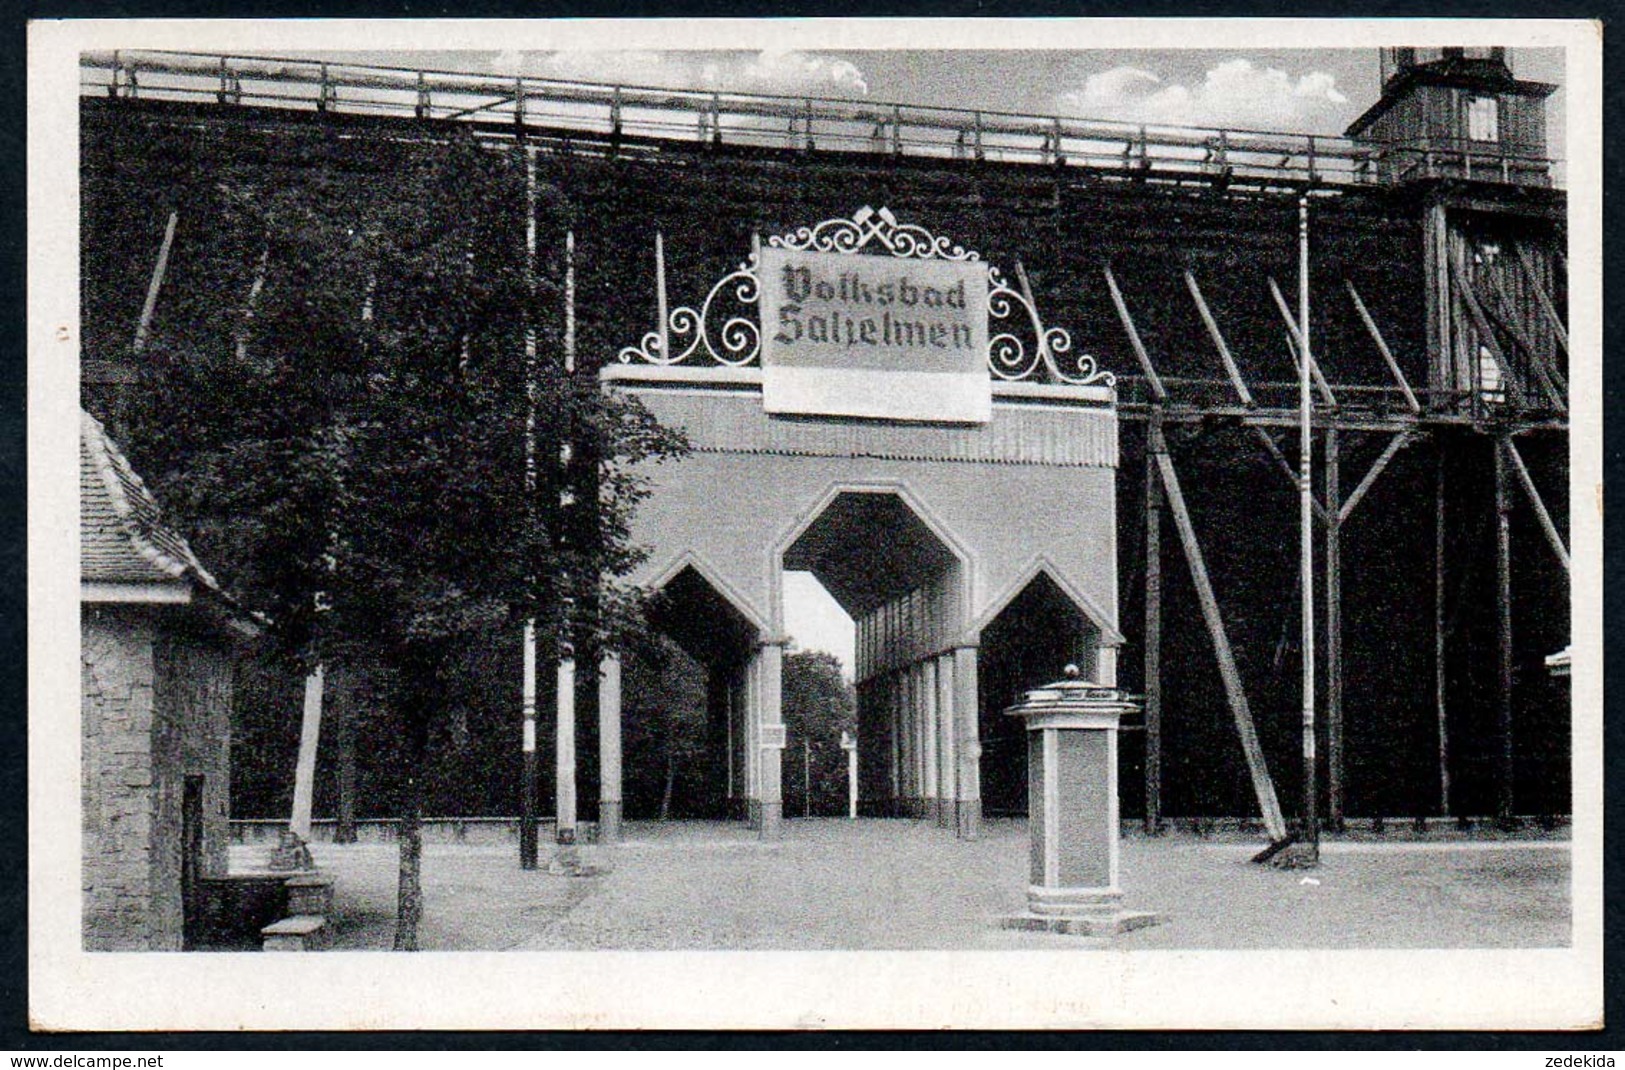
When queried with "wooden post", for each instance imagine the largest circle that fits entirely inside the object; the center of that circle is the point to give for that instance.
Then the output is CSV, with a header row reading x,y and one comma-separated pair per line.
x,y
1218,341
1151,376
1153,633
1382,347
1334,637
1263,786
304,775
1503,620
1543,298
1438,630
1533,495
1512,383
1297,339
1395,444
662,327
342,710
155,285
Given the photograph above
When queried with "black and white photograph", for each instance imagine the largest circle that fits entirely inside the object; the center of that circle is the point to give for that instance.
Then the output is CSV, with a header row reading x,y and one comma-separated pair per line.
x,y
815,524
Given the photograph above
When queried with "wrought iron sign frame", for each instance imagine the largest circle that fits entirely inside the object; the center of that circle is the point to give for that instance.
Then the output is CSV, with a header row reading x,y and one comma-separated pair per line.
x,y
740,338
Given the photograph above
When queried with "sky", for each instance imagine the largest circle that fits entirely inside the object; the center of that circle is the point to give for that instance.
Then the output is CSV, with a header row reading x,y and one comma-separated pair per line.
x,y
1297,90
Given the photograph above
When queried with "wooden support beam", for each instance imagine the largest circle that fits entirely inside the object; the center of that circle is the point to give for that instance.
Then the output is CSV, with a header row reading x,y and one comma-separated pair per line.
x,y
1440,708
1321,384
1537,359
1218,341
1393,447
1503,620
1258,770
1273,448
1334,636
1486,334
1151,376
1382,347
1153,634
1543,298
1535,500
155,285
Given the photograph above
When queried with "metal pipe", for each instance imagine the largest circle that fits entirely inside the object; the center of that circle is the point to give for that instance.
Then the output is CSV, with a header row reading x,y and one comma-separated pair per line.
x,y
1306,530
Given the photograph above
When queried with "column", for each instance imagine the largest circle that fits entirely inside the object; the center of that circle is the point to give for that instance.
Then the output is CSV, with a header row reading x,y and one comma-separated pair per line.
x,y
564,754
910,713
926,674
771,739
888,700
1106,665
943,676
968,808
751,719
609,749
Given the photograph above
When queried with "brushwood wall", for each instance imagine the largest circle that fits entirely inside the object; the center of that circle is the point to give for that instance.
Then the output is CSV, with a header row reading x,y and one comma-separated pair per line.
x,y
142,160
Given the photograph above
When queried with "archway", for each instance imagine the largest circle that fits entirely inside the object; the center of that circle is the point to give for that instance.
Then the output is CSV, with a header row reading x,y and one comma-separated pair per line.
x,y
903,584
1029,643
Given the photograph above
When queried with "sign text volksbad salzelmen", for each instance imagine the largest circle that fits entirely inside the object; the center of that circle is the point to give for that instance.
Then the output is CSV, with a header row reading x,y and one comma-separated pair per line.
x,y
874,336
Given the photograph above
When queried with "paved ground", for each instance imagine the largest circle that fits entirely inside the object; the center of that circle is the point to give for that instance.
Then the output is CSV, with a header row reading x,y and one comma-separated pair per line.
x,y
870,884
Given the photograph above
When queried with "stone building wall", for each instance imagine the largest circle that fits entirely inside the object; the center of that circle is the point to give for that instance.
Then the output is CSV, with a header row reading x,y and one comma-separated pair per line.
x,y
116,677
156,708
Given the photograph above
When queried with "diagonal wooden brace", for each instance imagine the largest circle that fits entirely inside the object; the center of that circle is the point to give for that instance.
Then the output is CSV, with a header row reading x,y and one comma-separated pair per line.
x,y
1257,768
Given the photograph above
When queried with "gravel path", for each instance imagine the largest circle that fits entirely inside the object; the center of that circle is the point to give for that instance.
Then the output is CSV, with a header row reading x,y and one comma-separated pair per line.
x,y
884,885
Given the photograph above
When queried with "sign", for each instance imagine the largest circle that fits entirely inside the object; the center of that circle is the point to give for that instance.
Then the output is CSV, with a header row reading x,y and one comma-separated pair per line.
x,y
875,336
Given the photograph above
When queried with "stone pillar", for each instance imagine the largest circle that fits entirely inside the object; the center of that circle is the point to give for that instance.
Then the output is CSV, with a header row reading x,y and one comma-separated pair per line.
x,y
564,754
1106,665
753,738
911,741
609,749
894,743
943,677
1072,810
850,745
967,744
770,739
926,675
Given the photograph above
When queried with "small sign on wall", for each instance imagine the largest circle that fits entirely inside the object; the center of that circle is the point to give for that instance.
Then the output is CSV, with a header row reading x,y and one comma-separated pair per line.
x,y
874,336
772,735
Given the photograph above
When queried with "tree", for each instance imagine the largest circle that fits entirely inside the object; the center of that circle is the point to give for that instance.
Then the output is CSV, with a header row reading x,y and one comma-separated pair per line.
x,y
664,702
348,442
818,707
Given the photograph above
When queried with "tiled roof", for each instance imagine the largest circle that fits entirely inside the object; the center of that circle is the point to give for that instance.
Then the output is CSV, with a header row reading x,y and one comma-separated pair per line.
x,y
123,538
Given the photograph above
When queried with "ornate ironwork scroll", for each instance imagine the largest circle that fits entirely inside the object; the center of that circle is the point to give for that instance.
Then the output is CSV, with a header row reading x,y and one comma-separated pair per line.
x,y
737,340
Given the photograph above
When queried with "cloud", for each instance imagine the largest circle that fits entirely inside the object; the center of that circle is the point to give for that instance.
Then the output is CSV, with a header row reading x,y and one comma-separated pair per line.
x,y
1234,93
773,71
787,72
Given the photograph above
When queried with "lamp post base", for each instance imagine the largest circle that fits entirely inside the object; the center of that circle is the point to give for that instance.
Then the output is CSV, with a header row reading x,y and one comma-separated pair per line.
x,y
1101,923
1078,912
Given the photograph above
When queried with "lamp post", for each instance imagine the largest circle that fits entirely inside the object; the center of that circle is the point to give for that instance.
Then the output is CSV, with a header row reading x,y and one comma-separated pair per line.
x,y
1306,520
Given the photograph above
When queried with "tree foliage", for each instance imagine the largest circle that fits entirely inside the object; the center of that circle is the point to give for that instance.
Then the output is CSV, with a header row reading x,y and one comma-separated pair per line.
x,y
666,719
818,706
352,435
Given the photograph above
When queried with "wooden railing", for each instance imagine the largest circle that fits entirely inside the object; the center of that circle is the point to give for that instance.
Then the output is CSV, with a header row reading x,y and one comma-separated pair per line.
x,y
649,116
